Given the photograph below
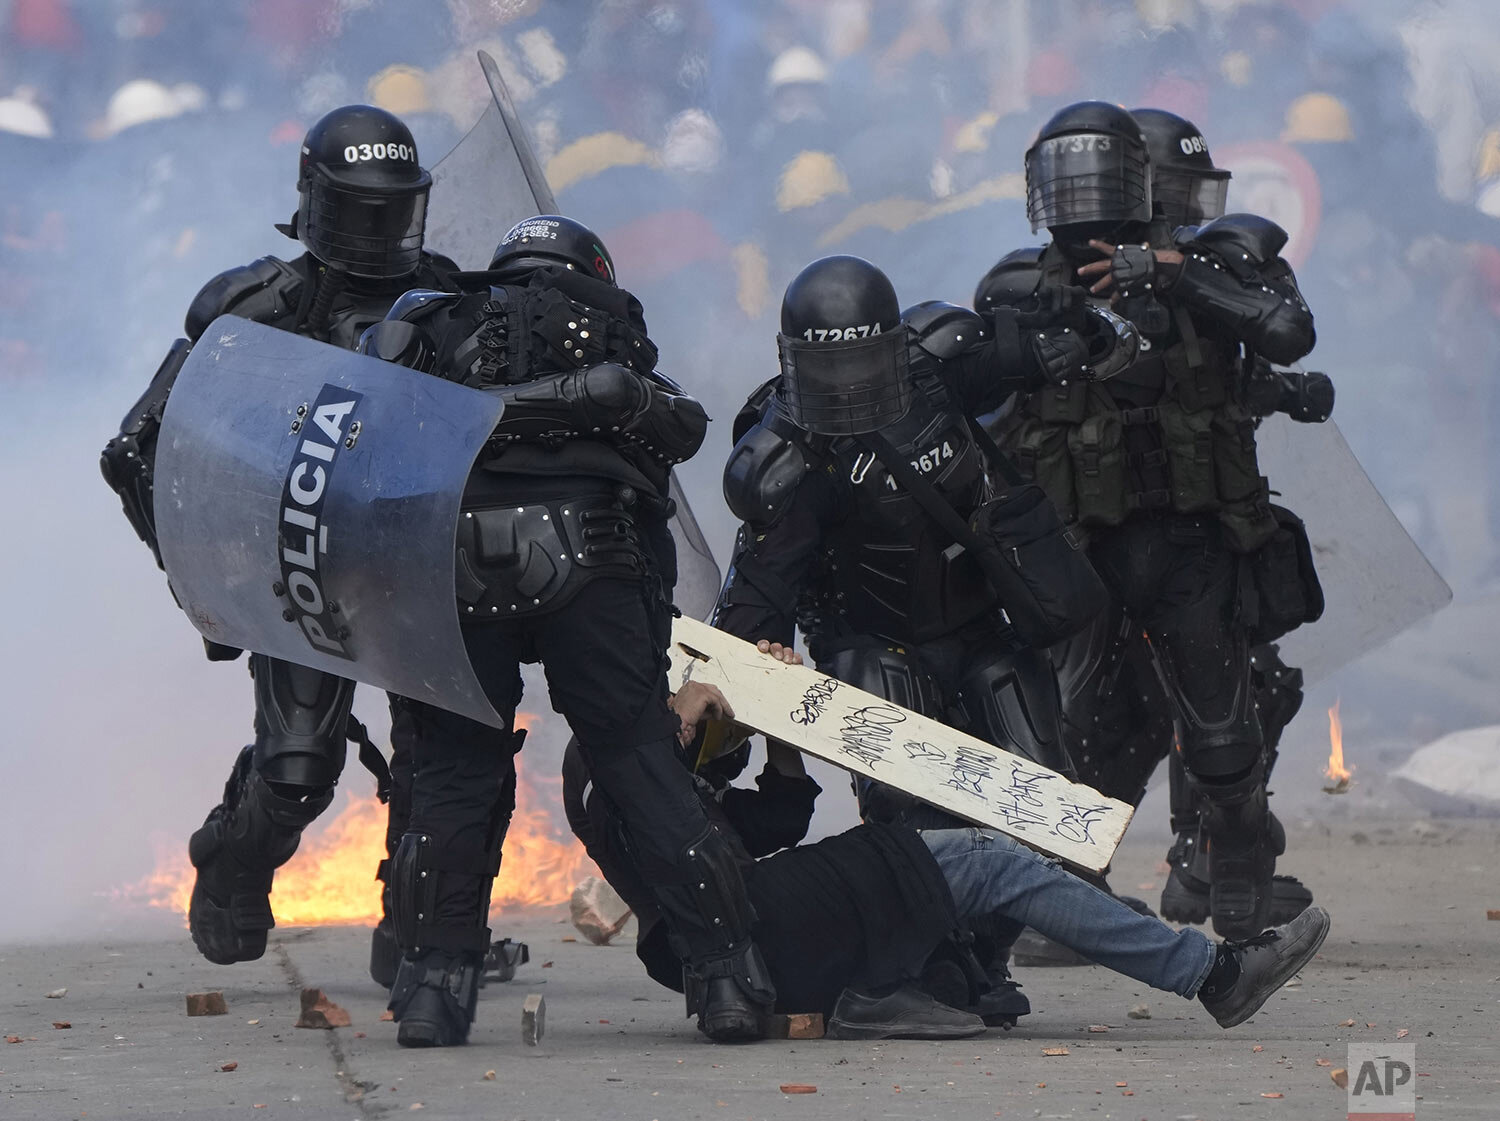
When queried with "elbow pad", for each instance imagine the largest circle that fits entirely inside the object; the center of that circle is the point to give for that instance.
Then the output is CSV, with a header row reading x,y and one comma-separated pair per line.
x,y
1273,320
605,401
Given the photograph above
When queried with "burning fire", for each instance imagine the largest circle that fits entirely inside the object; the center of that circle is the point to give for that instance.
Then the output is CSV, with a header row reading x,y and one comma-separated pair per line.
x,y
1336,769
332,877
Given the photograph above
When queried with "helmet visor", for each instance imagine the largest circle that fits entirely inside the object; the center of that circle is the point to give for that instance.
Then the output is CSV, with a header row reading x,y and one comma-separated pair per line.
x,y
370,231
1086,177
1191,198
843,389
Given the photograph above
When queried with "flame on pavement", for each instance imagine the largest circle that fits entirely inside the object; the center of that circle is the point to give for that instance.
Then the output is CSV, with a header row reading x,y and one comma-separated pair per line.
x,y
1336,770
331,879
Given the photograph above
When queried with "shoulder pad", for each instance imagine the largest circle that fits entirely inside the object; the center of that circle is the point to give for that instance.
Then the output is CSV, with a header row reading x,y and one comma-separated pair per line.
x,y
942,329
265,291
750,412
1012,280
1243,235
762,475
418,304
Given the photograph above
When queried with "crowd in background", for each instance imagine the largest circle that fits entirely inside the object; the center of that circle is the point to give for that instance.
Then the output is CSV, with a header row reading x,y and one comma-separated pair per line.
x,y
719,146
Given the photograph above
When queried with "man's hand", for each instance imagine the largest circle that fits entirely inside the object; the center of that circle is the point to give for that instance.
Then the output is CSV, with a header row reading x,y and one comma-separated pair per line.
x,y
696,702
1126,267
779,652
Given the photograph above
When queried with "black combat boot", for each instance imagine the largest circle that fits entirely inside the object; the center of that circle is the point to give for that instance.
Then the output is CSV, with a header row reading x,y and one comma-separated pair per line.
x,y
1245,974
236,851
434,997
1185,898
1241,857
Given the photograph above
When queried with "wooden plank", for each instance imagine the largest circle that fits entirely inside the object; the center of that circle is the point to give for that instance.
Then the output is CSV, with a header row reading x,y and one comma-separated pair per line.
x,y
870,736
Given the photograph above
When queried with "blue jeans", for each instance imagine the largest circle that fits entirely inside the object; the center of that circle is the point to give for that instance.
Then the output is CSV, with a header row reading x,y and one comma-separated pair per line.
x,y
990,874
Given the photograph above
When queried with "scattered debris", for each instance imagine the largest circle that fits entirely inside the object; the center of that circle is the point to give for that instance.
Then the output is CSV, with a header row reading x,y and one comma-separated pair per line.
x,y
1052,1052
1257,1048
1346,1023
1323,1062
1122,1085
1493,915
320,1012
62,1025
229,1066
1275,1094
252,1023
569,938
533,1019
1403,1033
359,1035
798,1088
546,965
206,1004
13,1039
1340,1077
489,1076
58,994
796,1025
598,911
387,1016
1098,1028
1139,1012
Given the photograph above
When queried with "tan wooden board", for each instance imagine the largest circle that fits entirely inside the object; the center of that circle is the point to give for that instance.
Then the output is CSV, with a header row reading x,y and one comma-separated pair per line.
x,y
870,736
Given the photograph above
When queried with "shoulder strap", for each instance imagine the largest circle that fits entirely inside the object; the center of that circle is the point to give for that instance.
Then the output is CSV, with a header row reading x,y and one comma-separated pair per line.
x,y
998,459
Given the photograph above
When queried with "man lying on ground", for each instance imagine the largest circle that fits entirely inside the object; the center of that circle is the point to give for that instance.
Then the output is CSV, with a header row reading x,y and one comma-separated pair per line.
x,y
845,924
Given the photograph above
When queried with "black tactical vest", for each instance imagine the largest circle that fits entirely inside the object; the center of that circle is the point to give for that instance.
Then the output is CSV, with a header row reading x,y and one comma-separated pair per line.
x,y
1167,435
889,568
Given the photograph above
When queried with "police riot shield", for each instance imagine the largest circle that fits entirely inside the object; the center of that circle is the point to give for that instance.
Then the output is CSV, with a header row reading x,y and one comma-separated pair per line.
x,y
1376,581
306,503
489,182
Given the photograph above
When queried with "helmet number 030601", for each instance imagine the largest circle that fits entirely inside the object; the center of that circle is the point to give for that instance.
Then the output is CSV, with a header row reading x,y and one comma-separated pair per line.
x,y
840,334
355,153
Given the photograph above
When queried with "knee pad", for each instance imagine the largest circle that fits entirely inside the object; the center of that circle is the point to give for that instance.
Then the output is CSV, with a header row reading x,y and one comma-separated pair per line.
x,y
1217,725
888,671
1009,697
300,719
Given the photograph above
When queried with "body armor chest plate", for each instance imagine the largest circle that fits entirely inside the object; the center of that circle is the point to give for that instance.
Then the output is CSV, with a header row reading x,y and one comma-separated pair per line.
x,y
891,569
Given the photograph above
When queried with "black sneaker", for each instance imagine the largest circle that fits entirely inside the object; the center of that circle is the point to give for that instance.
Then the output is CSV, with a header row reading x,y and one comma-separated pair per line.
x,y
1267,961
906,1013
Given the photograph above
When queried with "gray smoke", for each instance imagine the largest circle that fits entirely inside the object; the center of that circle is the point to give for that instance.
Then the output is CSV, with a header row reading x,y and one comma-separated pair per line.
x,y
721,164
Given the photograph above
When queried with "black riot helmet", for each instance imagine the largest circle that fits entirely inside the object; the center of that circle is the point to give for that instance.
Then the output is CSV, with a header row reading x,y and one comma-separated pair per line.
x,y
1088,165
1185,185
363,195
551,239
843,349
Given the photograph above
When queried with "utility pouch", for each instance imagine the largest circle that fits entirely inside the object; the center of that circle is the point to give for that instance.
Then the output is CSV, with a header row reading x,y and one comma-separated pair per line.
x,y
1042,457
1097,449
1059,404
1188,438
1285,579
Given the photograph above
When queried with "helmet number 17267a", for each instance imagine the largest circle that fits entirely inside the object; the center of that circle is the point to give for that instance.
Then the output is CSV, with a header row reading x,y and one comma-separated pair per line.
x,y
840,334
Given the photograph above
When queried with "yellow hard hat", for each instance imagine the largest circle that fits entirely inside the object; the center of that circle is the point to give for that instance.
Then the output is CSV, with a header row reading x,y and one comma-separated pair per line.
x,y
1317,117
808,179
399,89
137,102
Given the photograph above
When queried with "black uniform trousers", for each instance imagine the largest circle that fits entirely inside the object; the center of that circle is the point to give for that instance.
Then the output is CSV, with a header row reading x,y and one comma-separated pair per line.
x,y
604,653
1177,581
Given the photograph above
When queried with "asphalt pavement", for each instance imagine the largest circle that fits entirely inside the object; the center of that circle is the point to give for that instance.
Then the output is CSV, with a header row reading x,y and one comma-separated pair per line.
x,y
1411,957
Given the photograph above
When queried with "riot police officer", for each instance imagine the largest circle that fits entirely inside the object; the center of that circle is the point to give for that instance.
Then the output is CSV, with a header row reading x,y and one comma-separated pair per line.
x,y
360,218
840,471
564,556
1158,466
